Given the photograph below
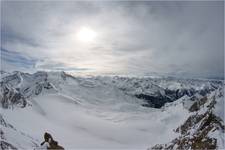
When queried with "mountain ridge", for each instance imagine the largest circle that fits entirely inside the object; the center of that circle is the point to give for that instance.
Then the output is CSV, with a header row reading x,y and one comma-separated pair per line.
x,y
131,103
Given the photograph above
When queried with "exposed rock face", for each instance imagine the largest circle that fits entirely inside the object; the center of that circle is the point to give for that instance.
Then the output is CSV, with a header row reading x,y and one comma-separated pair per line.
x,y
17,87
4,123
157,100
156,92
154,101
197,104
51,142
196,131
11,97
4,146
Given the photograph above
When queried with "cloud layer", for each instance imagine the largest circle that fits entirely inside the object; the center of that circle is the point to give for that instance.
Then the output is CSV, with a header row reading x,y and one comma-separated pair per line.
x,y
180,38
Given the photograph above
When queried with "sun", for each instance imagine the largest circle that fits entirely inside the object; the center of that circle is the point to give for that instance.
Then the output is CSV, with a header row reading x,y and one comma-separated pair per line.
x,y
86,34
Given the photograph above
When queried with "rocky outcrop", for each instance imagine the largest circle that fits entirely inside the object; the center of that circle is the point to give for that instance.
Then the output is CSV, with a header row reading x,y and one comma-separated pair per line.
x,y
11,96
51,143
196,131
158,100
156,92
17,87
6,146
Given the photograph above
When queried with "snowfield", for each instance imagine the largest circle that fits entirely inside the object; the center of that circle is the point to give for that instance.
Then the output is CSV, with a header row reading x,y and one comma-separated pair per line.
x,y
94,112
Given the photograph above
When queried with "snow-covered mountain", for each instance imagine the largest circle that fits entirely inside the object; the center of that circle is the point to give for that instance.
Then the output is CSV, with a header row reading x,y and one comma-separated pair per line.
x,y
109,112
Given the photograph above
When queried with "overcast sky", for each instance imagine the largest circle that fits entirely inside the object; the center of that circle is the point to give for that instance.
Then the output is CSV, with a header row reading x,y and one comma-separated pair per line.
x,y
136,38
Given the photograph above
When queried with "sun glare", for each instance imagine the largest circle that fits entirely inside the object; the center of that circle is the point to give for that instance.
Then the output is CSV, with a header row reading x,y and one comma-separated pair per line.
x,y
86,34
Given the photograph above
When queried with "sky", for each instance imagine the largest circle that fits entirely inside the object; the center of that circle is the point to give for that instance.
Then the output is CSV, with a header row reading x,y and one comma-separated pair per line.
x,y
133,38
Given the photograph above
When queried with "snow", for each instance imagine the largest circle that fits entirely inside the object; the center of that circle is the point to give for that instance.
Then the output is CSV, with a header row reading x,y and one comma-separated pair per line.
x,y
219,108
74,126
93,113
219,135
19,139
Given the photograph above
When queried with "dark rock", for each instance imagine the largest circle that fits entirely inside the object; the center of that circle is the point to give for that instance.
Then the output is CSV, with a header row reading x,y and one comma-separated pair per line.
x,y
6,146
52,143
153,101
202,125
11,97
197,104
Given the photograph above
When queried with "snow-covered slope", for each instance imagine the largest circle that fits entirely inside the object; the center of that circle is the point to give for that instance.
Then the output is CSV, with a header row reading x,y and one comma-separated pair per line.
x,y
96,112
204,128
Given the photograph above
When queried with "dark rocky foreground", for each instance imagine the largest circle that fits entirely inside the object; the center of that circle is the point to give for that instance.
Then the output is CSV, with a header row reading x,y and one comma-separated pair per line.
x,y
196,130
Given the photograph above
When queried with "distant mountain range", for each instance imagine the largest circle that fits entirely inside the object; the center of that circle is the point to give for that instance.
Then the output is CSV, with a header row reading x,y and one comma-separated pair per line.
x,y
111,111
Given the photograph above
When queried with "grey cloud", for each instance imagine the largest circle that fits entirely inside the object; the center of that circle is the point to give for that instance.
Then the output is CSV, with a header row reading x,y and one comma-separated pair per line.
x,y
12,60
134,37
